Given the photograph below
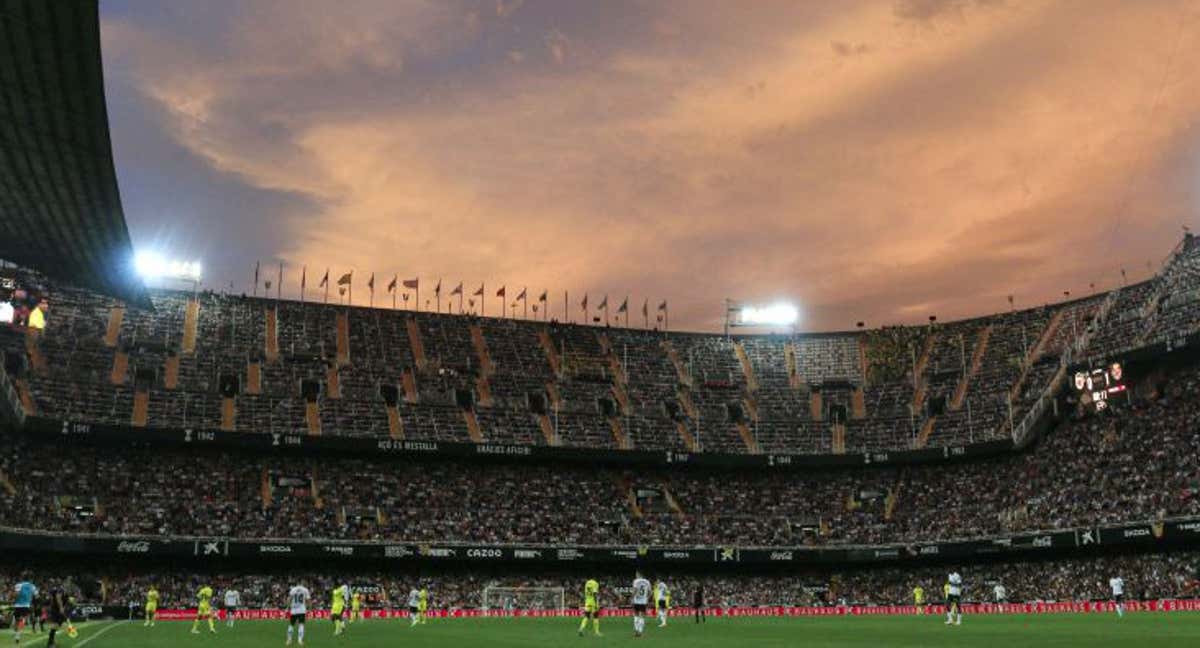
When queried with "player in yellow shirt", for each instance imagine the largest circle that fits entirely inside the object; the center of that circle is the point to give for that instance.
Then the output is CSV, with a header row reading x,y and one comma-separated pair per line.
x,y
204,610
591,607
919,599
423,606
151,606
337,607
356,607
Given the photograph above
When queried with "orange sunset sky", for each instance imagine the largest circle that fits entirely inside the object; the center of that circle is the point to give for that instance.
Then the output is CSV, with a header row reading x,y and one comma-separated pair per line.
x,y
878,161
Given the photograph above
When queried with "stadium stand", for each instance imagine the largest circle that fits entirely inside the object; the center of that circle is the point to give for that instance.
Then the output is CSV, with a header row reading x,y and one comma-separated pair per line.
x,y
409,375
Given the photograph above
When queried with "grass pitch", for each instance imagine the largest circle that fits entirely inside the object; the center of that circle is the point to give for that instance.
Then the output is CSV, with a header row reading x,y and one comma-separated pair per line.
x,y
1152,630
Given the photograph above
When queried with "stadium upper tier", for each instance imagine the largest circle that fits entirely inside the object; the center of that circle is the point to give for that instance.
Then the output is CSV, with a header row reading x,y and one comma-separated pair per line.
x,y
215,361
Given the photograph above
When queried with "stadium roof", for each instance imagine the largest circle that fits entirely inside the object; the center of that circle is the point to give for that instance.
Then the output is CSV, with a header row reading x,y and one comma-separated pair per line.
x,y
60,210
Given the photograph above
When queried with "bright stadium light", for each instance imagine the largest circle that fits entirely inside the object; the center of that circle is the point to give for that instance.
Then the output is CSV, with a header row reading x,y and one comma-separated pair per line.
x,y
779,314
774,315
152,265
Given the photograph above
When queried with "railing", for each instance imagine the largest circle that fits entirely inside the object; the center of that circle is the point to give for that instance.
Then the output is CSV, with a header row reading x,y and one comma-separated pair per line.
x,y
10,401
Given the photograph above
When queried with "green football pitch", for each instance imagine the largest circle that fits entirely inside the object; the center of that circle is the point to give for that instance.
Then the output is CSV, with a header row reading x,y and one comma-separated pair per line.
x,y
1150,630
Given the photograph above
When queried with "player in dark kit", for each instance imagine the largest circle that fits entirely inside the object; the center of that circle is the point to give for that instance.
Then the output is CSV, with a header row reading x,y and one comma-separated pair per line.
x,y
37,623
60,617
698,604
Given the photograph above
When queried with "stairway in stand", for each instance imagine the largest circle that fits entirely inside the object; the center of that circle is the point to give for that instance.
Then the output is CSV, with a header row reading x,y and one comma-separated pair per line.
x,y
473,429
141,408
312,416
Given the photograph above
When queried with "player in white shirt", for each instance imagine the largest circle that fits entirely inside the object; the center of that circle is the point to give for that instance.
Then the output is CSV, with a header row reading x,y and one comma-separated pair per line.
x,y
298,607
1000,593
954,599
233,601
641,600
414,606
662,601
1118,593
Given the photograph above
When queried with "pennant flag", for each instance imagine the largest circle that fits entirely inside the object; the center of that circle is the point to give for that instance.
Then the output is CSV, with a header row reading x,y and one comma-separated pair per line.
x,y
457,290
545,293
500,293
325,279
412,283
663,305
471,303
522,295
603,304
583,304
267,283
479,293
392,283
624,306
341,291
437,290
371,283
345,279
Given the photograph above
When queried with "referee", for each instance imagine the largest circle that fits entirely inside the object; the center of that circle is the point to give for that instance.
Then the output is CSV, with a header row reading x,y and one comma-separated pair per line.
x,y
698,603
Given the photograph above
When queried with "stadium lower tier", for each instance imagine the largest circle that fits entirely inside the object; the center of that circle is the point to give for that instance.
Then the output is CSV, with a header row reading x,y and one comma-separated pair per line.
x,y
1145,577
1137,462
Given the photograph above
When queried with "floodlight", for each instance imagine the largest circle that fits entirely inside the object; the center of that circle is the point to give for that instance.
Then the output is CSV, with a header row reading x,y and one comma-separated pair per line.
x,y
152,265
779,314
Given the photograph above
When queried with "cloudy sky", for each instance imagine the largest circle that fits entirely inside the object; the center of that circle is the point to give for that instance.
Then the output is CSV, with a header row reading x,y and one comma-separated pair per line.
x,y
877,161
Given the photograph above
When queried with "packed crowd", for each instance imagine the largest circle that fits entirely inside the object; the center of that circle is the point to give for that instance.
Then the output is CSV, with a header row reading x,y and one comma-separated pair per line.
x,y
1139,460
421,375
1147,576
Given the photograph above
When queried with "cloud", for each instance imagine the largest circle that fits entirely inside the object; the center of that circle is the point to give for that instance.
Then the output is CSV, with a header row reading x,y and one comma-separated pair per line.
x,y
845,49
870,161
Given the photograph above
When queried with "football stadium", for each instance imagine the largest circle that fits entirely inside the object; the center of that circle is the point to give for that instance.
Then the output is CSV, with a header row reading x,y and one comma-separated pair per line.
x,y
240,444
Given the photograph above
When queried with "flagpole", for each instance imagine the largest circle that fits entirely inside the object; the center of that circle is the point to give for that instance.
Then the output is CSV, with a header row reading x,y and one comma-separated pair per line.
x,y
255,278
417,290
279,284
438,295
303,281
525,301
566,307
326,282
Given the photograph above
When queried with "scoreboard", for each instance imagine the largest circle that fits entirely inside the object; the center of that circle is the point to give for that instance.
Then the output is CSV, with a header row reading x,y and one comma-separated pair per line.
x,y
1096,386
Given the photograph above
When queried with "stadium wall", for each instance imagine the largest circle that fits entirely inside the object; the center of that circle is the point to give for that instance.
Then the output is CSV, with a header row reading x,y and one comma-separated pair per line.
x,y
1142,536
70,432
1065,607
